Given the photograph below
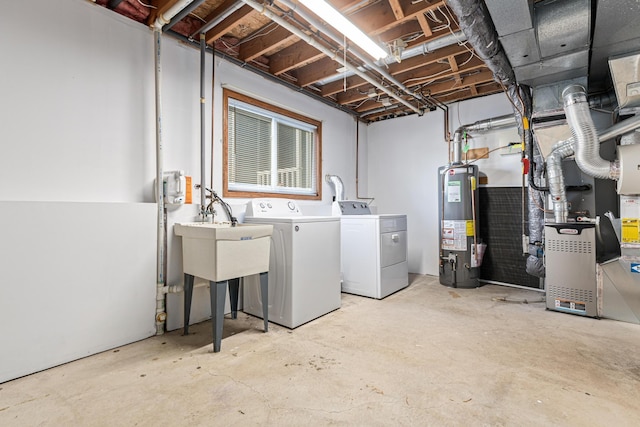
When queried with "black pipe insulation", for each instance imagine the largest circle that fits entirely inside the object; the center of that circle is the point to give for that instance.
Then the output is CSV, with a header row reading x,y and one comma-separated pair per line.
x,y
112,4
475,22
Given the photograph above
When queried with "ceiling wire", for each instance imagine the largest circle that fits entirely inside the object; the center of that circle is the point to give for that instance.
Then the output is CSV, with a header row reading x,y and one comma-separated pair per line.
x,y
197,17
150,6
460,42
438,73
259,33
431,15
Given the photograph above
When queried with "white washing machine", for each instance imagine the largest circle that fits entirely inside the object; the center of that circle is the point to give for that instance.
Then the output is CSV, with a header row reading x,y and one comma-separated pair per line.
x,y
304,268
373,250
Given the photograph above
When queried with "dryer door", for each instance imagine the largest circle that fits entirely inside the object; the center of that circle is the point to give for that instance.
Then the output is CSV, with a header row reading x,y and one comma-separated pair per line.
x,y
393,248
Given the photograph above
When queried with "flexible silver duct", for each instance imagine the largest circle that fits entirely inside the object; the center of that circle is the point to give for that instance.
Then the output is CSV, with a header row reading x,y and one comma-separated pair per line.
x,y
338,186
564,149
555,179
587,145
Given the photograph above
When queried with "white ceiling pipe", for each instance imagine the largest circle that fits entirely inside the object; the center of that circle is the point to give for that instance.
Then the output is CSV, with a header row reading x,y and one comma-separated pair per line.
x,y
311,20
163,18
479,126
310,40
423,49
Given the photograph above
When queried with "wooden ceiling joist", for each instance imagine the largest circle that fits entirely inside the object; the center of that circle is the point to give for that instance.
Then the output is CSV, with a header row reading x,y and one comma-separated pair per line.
x,y
317,71
449,74
379,17
465,93
395,69
441,88
294,56
260,45
396,7
229,23
424,25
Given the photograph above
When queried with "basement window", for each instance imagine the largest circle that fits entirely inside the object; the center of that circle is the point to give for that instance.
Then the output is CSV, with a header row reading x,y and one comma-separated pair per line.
x,y
269,151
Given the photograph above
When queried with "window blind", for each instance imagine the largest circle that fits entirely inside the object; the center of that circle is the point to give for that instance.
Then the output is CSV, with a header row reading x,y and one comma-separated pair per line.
x,y
268,152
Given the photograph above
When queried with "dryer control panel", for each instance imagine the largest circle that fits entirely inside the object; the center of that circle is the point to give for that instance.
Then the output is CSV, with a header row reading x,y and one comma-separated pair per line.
x,y
350,207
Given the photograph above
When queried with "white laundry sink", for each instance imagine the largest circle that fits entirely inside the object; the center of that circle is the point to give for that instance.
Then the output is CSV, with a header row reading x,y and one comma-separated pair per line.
x,y
220,252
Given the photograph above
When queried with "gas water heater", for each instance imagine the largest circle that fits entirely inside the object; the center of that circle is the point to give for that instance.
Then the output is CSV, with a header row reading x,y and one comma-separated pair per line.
x,y
458,214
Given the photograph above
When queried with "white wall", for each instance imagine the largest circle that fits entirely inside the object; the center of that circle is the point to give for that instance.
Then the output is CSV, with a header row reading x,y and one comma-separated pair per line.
x,y
77,278
76,172
77,121
338,157
77,116
404,155
78,125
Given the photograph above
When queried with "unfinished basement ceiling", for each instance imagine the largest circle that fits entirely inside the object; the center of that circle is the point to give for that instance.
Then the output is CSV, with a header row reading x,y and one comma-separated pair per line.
x,y
546,42
431,64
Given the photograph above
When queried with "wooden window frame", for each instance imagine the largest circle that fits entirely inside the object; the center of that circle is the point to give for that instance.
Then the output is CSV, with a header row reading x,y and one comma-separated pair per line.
x,y
230,94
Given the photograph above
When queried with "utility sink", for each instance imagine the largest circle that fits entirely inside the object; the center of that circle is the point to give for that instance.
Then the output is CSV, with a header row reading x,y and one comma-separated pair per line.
x,y
219,252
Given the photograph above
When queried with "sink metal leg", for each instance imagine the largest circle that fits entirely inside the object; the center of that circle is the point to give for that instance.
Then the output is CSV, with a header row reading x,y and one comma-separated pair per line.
x,y
218,291
234,290
264,290
188,294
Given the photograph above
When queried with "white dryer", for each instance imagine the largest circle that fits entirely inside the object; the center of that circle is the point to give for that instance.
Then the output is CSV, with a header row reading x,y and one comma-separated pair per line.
x,y
373,250
304,268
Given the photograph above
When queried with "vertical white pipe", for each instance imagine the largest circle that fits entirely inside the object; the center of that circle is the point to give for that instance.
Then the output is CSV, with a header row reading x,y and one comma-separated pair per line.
x,y
161,20
203,200
160,296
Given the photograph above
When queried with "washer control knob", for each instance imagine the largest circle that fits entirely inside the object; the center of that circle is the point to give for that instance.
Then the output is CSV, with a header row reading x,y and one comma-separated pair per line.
x,y
269,205
291,205
262,205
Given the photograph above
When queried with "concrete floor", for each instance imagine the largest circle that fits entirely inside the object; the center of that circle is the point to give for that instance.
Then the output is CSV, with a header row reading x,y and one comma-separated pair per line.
x,y
427,355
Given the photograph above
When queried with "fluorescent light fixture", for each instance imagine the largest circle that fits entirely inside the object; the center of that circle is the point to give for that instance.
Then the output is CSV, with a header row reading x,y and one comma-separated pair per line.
x,y
334,18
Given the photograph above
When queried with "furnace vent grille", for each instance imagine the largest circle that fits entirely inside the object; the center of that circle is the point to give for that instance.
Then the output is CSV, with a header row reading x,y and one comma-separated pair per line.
x,y
571,294
569,246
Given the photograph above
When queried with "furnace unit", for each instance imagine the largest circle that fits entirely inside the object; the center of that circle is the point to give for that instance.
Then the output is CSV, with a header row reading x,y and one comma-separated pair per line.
x,y
570,256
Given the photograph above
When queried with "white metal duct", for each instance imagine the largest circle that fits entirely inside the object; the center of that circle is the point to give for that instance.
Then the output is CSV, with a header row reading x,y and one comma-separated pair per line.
x,y
545,42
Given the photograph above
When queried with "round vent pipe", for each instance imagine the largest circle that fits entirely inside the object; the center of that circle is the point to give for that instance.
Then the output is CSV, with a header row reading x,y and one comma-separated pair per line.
x,y
338,186
587,144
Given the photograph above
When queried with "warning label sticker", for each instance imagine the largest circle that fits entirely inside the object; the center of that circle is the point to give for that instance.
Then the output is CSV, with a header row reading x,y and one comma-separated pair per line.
x,y
470,228
630,230
454,235
453,192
